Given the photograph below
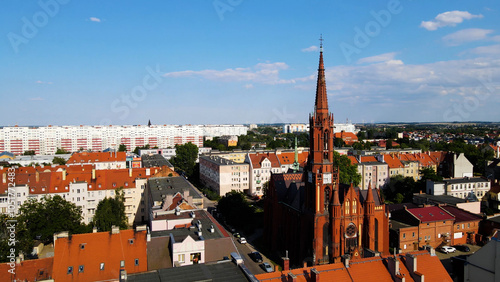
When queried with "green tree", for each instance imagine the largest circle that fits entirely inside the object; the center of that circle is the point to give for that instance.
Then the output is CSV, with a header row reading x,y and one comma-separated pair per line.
x,y
185,157
111,211
398,184
29,153
348,173
236,210
122,148
59,161
50,215
23,243
61,151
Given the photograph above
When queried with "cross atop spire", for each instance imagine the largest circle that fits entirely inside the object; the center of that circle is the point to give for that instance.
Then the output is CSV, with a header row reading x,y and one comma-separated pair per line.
x,y
321,42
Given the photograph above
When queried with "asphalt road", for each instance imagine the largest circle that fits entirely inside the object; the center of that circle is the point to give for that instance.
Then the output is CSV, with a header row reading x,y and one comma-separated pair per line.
x,y
253,266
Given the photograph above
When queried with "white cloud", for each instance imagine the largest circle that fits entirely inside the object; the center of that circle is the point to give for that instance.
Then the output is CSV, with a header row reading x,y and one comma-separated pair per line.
x,y
94,19
378,58
42,82
451,18
466,35
248,86
312,48
491,50
267,73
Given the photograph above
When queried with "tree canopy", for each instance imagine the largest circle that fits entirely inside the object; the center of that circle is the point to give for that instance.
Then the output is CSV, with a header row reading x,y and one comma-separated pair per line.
x,y
185,158
122,148
348,173
59,161
111,211
50,215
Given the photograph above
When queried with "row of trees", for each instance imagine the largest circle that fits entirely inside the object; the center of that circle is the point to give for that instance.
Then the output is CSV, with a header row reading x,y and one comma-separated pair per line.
x,y
39,220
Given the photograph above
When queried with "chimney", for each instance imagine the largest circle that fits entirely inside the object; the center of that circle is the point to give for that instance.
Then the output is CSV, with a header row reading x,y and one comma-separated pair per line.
x,y
314,275
115,229
292,277
286,263
276,268
4,177
130,172
94,230
394,269
93,173
305,264
64,174
37,176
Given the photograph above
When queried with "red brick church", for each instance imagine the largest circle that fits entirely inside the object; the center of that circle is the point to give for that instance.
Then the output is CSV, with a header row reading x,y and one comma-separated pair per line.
x,y
312,217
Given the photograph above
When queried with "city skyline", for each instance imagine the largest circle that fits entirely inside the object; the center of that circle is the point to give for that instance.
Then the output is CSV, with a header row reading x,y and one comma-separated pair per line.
x,y
234,62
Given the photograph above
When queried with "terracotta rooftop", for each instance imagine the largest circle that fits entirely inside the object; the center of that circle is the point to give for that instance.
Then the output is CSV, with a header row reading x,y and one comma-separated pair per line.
x,y
28,270
258,158
288,158
461,215
97,157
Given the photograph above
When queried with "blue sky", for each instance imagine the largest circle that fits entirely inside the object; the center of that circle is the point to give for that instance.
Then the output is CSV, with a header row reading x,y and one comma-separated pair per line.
x,y
90,62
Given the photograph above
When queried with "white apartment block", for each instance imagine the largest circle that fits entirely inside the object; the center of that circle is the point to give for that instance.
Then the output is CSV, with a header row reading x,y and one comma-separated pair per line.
x,y
223,175
375,174
46,140
261,167
224,129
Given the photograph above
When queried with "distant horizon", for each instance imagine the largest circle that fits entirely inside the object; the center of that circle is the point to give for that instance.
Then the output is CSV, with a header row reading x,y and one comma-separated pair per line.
x,y
269,124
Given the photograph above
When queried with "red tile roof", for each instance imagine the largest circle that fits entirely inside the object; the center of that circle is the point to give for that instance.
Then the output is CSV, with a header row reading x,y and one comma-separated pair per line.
x,y
91,249
257,158
28,270
430,214
430,266
461,215
353,160
368,268
95,157
289,158
366,159
393,162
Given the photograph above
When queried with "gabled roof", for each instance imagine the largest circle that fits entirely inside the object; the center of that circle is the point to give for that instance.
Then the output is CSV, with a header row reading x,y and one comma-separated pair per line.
x,y
28,270
461,215
353,160
368,268
366,159
289,158
258,158
393,162
430,266
96,157
430,214
91,249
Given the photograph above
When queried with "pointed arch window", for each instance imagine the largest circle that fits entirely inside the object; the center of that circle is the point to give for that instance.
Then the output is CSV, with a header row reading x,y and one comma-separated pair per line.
x,y
354,206
347,206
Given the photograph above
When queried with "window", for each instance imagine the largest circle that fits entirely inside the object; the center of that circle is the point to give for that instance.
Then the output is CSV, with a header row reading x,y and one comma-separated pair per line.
x,y
136,262
122,263
404,235
347,206
131,241
354,203
181,257
80,269
101,267
70,270
413,234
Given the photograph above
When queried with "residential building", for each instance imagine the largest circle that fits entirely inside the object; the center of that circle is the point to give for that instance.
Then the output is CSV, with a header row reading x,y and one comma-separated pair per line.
x,y
310,215
82,185
261,167
223,175
46,140
372,173
224,129
100,160
465,204
229,140
99,256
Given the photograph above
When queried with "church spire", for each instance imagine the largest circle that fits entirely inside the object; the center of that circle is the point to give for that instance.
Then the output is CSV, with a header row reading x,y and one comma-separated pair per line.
x,y
321,104
369,194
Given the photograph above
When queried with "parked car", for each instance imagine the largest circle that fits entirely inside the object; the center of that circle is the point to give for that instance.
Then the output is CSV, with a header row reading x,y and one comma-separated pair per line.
x,y
267,267
242,240
462,248
256,256
448,249
236,235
